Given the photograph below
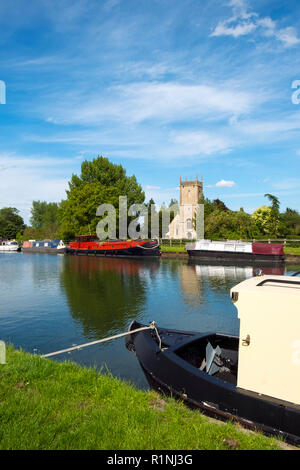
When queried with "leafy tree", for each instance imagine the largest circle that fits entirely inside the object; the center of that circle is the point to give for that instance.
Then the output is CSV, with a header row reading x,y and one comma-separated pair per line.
x,y
48,232
173,202
211,206
11,222
219,205
43,213
263,219
149,204
275,226
100,182
228,224
291,222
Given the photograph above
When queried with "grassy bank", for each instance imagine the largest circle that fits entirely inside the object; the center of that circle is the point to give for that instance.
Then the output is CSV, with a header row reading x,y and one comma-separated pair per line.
x,y
49,405
292,251
173,248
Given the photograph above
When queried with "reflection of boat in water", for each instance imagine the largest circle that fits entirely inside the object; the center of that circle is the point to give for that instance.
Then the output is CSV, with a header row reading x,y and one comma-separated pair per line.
x,y
44,246
254,378
92,246
194,275
235,272
236,251
123,266
9,246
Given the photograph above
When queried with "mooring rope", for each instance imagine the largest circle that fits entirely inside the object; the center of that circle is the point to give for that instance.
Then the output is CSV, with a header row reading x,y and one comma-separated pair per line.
x,y
152,326
148,248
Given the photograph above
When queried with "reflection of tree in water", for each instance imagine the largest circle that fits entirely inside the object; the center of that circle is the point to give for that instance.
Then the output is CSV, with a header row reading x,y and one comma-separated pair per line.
x,y
104,294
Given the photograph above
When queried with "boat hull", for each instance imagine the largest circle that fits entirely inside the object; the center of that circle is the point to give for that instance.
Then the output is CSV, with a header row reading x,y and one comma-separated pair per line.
x,y
42,249
137,251
9,249
170,374
208,255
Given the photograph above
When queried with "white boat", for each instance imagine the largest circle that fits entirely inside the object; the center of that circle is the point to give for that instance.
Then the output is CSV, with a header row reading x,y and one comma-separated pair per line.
x,y
9,246
236,250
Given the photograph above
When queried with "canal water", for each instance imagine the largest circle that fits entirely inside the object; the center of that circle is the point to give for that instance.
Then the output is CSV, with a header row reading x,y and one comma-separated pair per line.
x,y
52,302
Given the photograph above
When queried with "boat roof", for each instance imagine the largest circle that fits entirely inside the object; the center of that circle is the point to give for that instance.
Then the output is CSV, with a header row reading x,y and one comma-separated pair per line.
x,y
288,285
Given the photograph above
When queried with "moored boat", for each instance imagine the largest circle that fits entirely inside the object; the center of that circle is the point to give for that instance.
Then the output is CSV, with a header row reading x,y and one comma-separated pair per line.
x,y
44,246
236,250
92,246
252,378
9,246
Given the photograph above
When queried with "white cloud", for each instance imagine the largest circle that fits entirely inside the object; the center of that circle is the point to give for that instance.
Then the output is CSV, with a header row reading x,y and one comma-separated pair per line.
x,y
288,36
201,143
244,21
26,179
165,102
239,30
225,184
278,127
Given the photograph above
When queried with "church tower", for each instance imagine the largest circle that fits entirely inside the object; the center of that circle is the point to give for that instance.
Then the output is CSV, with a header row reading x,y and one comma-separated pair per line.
x,y
191,194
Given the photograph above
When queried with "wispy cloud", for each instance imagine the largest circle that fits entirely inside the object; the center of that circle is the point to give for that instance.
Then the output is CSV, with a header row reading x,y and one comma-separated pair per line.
x,y
288,183
26,179
141,101
245,21
201,143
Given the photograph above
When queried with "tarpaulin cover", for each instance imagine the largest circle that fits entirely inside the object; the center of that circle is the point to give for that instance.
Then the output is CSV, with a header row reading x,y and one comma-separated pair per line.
x,y
267,248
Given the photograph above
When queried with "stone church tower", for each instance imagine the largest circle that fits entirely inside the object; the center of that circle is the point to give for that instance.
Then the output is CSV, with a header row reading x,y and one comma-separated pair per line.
x,y
191,193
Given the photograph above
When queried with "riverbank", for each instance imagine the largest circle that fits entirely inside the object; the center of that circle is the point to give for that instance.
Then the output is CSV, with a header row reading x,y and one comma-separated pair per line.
x,y
48,405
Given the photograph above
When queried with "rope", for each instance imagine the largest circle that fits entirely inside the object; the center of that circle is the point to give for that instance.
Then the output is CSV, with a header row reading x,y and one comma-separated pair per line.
x,y
148,248
151,327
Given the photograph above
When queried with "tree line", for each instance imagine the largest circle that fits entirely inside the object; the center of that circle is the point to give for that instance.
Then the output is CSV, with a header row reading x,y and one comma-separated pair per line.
x,y
266,221
102,182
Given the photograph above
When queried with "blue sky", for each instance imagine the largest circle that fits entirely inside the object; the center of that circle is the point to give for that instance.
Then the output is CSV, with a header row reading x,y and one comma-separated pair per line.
x,y
165,88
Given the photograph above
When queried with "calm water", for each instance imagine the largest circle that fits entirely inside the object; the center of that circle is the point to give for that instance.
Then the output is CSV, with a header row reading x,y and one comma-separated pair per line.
x,y
52,302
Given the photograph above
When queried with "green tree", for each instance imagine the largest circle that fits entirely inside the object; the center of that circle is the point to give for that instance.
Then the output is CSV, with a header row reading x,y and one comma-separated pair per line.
x,y
149,204
291,222
44,213
11,223
263,219
100,182
211,206
275,223
230,225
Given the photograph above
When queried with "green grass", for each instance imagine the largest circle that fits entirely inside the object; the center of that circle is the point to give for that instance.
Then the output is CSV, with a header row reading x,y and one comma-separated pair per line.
x,y
173,248
48,405
288,250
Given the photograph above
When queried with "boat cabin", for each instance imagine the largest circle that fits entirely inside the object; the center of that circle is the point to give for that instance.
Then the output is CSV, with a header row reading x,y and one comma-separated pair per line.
x,y
86,238
269,345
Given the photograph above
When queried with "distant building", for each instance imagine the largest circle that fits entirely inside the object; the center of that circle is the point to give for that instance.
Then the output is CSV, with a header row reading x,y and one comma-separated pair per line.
x,y
191,194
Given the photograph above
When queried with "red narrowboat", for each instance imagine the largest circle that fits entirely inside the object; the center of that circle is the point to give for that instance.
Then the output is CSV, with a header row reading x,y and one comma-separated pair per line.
x,y
91,245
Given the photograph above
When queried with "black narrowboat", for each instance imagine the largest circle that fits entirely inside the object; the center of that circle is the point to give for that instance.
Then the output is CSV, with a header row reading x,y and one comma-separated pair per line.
x,y
252,378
